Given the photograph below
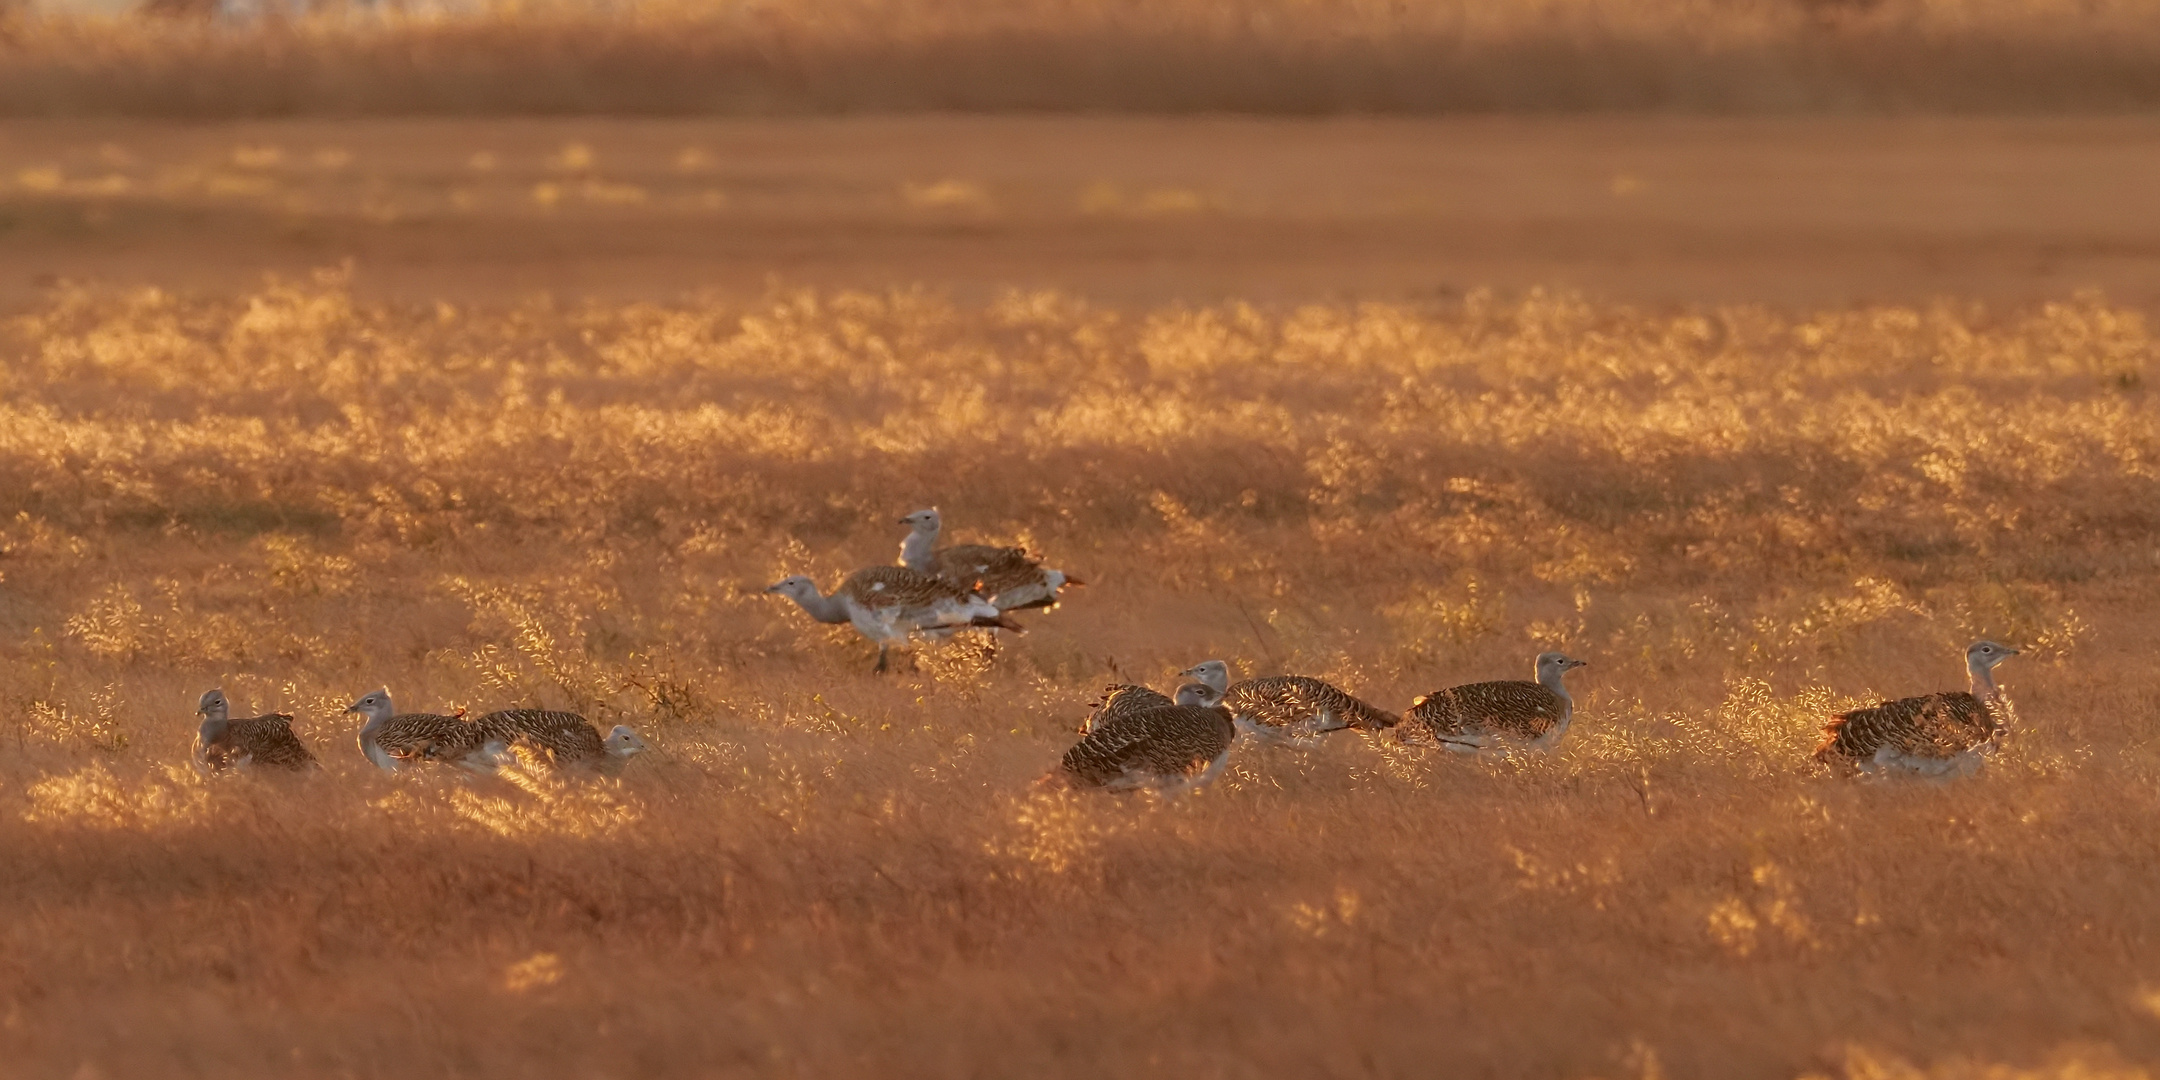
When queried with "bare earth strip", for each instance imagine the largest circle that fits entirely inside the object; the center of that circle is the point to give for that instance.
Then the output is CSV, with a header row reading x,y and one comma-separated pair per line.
x,y
1796,212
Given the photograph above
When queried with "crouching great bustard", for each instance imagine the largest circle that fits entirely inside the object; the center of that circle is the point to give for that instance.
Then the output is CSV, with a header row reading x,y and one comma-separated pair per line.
x,y
392,739
1467,718
1007,576
1169,747
888,603
1283,707
262,742
1934,734
565,740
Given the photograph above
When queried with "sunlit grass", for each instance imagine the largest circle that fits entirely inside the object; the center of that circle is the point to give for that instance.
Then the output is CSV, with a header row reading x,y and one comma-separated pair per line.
x,y
1745,520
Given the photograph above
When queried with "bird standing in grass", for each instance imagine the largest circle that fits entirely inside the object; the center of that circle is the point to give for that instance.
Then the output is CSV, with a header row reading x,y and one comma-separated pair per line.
x,y
1934,734
261,742
887,604
1172,747
1007,576
1468,718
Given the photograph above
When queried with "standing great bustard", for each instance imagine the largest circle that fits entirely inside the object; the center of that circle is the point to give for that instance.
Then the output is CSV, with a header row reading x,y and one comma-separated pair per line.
x,y
565,740
888,603
1169,747
392,739
1467,718
1282,707
262,742
1006,575
1934,734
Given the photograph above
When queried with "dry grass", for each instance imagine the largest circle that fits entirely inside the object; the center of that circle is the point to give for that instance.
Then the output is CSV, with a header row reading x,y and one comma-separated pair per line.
x,y
1260,56
1743,520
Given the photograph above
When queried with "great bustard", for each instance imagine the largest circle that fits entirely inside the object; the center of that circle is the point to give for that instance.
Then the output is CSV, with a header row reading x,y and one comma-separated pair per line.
x,y
888,603
565,740
392,739
1466,718
1934,734
1279,708
1008,576
261,742
1172,747
1119,699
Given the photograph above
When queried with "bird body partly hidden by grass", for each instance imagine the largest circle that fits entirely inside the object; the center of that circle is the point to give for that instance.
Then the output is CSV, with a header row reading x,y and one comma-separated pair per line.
x,y
1171,747
261,742
1933,734
1284,707
393,740
1008,577
565,740
1120,699
887,604
1504,713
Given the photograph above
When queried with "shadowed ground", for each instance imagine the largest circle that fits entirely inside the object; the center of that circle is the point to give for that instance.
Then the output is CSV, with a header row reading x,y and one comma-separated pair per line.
x,y
1793,212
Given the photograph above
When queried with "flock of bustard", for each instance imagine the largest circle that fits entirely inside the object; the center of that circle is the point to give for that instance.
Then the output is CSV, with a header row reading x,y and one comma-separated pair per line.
x,y
1134,737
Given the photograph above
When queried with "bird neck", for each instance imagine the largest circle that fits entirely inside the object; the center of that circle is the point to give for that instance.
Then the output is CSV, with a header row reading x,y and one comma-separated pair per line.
x,y
823,608
213,729
916,551
372,748
1983,682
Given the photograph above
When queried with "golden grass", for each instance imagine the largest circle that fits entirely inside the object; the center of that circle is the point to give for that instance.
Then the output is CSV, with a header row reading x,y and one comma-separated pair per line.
x,y
1744,520
1267,56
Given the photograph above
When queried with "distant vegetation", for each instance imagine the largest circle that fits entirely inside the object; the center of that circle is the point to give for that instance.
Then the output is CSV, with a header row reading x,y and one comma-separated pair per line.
x,y
1256,56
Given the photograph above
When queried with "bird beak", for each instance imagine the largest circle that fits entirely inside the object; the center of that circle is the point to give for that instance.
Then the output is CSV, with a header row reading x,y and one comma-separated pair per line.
x,y
354,707
1578,663
775,587
904,521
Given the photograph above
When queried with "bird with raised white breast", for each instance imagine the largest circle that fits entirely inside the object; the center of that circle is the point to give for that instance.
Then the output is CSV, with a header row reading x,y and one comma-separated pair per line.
x,y
261,742
1173,747
1505,713
1934,734
1008,576
392,739
1279,708
888,604
565,740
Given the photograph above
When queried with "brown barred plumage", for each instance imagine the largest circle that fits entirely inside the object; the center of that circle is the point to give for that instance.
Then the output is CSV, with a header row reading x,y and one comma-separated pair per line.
x,y
261,742
428,737
564,739
1179,745
888,603
265,742
1483,714
1120,699
1933,733
1008,576
1297,704
392,739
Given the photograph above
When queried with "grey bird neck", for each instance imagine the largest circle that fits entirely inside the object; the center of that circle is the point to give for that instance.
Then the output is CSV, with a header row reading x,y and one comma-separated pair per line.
x,y
213,729
376,718
823,608
1983,681
917,550
1555,680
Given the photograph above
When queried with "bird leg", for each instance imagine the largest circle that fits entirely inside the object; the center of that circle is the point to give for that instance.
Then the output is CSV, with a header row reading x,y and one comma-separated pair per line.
x,y
881,659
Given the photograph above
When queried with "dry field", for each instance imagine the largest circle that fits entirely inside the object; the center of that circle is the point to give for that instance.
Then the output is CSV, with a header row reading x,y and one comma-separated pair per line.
x,y
1742,518
1294,57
